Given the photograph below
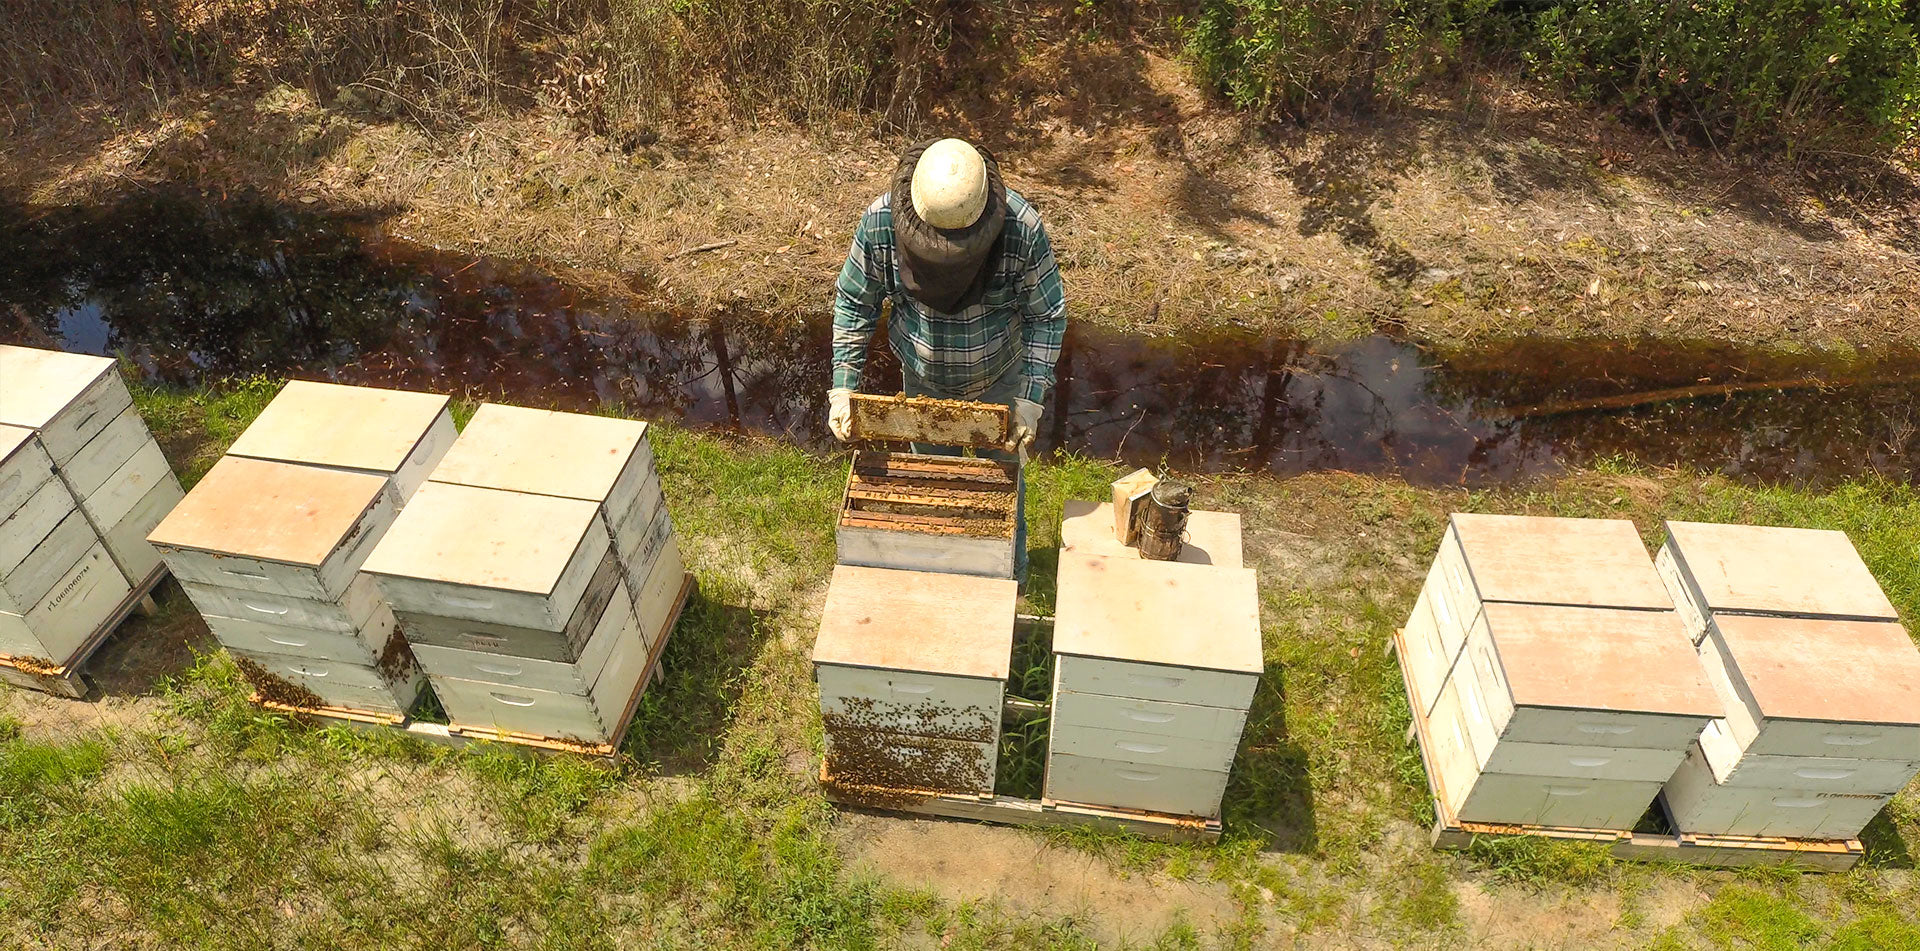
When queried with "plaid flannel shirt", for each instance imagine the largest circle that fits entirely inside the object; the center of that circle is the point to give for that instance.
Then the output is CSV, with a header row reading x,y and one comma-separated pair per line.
x,y
957,353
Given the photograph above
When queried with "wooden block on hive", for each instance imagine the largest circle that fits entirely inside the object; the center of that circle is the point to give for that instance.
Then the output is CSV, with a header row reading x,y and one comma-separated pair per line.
x,y
912,670
393,433
929,513
1213,538
1129,502
924,419
67,397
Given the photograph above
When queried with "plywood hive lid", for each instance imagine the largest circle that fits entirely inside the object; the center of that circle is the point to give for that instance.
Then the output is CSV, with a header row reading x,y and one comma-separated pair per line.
x,y
1541,560
537,450
1600,659
12,438
1213,538
1158,612
273,511
1753,568
919,621
487,538
35,385
1826,669
328,424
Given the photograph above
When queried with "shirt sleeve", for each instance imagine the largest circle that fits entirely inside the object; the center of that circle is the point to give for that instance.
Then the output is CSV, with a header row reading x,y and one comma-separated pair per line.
x,y
856,306
1043,310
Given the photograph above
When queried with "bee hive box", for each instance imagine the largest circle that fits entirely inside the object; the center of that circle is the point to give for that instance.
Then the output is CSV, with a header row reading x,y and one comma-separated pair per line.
x,y
918,512
1213,538
593,458
912,669
396,434
270,553
519,611
1156,667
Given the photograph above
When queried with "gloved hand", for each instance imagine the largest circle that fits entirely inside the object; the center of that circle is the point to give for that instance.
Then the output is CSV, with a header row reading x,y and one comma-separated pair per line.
x,y
1026,425
840,413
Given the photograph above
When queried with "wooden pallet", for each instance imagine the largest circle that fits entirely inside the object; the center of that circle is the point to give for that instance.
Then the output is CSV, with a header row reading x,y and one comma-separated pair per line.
x,y
1685,848
67,679
1010,810
448,734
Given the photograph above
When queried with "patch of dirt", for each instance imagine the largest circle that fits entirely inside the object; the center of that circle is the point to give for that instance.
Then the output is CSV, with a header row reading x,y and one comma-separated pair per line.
x,y
53,719
962,861
147,649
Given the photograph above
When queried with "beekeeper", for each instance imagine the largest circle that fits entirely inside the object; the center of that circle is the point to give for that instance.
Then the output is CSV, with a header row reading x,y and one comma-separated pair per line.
x,y
978,313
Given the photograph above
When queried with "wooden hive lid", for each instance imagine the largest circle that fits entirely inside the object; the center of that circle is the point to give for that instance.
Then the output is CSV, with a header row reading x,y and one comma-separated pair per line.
x,y
35,384
1753,568
330,424
1158,612
536,450
273,511
486,538
1848,671
1543,560
919,621
12,439
1600,659
1213,538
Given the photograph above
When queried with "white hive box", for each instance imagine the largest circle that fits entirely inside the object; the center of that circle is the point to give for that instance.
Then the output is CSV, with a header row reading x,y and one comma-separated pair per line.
x,y
912,670
392,433
85,420
1213,538
1520,559
595,458
1566,716
57,583
520,614
1156,664
68,398
1820,682
270,553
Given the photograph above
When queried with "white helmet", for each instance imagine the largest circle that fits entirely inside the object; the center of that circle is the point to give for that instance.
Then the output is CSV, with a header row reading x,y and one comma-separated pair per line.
x,y
950,184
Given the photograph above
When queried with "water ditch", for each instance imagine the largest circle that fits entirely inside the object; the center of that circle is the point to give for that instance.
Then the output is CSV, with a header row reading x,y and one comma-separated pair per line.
x,y
191,287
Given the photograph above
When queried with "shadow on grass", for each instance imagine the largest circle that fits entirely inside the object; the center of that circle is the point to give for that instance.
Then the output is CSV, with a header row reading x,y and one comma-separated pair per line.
x,y
681,722
147,649
1271,787
1885,846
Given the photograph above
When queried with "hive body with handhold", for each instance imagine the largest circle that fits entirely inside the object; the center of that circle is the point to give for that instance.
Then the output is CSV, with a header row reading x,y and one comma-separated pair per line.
x,y
1819,681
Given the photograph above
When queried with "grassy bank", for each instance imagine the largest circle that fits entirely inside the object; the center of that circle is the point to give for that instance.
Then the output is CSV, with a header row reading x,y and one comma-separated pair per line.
x,y
179,816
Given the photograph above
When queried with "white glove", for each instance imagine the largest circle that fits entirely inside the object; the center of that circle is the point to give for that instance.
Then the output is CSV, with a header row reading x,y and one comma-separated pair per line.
x,y
1026,425
840,413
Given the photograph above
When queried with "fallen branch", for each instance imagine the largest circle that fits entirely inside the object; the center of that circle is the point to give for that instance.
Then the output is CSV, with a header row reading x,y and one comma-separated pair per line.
x,y
1678,393
715,246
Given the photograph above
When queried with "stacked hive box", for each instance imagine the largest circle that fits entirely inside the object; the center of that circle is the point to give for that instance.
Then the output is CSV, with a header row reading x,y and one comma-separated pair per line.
x,y
1156,664
538,578
1820,682
270,553
394,434
917,512
1555,678
81,482
912,669
521,606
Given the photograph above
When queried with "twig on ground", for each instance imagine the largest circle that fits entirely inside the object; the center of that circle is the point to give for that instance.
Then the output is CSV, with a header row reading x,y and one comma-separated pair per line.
x,y
715,246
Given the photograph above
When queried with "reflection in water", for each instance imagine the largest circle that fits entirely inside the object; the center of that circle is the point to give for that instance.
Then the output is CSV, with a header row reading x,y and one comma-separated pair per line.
x,y
189,288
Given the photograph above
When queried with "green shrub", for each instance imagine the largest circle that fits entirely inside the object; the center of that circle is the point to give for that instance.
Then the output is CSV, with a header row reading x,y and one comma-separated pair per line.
x,y
1743,71
1305,58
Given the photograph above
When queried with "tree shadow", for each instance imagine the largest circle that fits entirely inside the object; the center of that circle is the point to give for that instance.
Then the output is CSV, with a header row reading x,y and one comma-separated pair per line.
x,y
1352,170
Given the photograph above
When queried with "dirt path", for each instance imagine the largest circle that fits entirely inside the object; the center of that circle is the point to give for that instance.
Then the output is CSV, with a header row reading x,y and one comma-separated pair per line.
x,y
1455,221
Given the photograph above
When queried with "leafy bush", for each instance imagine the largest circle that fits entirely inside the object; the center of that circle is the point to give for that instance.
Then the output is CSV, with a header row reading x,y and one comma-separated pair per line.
x,y
1305,58
1743,71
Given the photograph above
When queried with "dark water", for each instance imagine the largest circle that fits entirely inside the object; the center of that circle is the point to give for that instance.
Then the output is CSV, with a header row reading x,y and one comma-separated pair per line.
x,y
191,288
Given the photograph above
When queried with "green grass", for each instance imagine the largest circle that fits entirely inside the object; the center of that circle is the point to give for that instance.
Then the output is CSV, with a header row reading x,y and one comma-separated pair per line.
x,y
215,825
